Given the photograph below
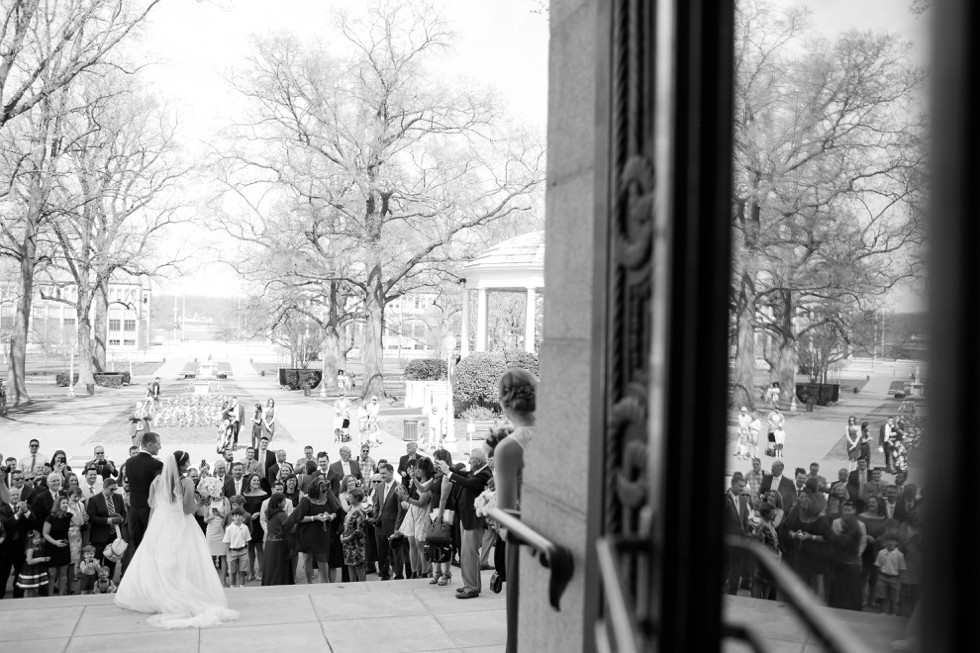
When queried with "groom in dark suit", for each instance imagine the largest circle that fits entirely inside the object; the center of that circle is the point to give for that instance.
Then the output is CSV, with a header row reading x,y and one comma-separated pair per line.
x,y
388,516
141,469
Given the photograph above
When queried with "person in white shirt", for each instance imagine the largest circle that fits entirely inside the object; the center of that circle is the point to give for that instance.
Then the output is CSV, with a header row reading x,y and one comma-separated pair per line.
x,y
373,412
236,537
342,409
34,461
742,448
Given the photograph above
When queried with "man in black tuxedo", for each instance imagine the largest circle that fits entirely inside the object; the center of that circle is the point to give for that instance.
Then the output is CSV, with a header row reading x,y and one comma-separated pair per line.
x,y
18,480
325,469
235,484
410,458
141,469
472,525
265,459
106,511
777,481
17,524
388,516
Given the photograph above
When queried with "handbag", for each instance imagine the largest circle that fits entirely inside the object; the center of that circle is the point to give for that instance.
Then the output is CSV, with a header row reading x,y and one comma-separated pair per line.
x,y
439,534
114,551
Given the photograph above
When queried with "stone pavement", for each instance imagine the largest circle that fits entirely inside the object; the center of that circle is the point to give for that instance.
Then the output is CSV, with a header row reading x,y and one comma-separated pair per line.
x,y
814,437
392,616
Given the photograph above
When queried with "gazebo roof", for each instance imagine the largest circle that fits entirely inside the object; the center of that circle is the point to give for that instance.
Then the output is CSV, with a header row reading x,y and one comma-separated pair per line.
x,y
525,252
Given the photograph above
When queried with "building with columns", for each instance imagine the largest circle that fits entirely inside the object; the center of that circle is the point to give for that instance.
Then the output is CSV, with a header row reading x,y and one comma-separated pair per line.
x,y
515,265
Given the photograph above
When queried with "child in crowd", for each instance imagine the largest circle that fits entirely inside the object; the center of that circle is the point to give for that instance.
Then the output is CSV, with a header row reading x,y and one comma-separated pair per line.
x,y
88,570
891,566
33,578
104,585
237,535
79,517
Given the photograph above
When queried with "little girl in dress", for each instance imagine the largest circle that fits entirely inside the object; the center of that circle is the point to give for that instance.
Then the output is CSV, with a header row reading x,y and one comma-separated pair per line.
x,y
33,578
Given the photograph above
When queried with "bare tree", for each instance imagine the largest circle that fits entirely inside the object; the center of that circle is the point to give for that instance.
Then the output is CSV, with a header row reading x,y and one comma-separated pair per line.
x,y
116,201
45,45
825,176
386,169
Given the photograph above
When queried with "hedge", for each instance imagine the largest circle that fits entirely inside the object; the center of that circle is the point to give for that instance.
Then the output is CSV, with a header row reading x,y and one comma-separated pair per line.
x,y
104,379
425,369
477,376
295,378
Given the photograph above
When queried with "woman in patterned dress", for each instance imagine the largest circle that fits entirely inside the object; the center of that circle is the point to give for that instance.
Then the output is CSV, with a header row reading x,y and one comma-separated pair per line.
x,y
353,538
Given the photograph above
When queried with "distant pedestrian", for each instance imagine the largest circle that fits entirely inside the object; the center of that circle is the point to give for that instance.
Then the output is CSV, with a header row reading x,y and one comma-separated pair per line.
x,y
269,419
257,422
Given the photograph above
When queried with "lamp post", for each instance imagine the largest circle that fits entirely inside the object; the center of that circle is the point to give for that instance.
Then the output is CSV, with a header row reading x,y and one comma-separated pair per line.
x,y
450,344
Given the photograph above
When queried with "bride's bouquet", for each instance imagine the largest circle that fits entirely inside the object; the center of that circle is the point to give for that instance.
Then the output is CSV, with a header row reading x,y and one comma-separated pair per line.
x,y
210,489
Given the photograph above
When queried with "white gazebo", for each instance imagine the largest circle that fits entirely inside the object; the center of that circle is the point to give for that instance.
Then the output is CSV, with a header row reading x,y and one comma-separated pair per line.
x,y
515,264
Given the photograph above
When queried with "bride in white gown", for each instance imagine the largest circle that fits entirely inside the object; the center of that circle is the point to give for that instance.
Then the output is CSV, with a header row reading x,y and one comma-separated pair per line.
x,y
171,573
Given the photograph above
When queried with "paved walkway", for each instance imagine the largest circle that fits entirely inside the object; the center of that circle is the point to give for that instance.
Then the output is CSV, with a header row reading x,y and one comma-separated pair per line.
x,y
387,616
814,437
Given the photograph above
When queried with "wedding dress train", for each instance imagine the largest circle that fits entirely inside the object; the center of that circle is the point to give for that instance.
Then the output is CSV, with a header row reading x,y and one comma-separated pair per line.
x,y
171,573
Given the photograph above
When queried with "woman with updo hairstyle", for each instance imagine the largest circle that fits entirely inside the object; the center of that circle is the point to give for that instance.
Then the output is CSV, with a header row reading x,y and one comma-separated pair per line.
x,y
517,395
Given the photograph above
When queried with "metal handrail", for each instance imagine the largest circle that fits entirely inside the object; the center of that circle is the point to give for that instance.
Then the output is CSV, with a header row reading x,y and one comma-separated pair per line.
x,y
629,637
551,555
834,635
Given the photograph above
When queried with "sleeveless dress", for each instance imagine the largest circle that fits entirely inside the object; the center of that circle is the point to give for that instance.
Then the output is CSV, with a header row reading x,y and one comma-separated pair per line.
x,y
853,433
171,574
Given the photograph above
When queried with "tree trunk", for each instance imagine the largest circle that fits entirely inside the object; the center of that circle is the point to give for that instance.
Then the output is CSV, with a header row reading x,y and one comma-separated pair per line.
x,y
85,350
331,356
18,341
743,376
785,371
101,328
372,350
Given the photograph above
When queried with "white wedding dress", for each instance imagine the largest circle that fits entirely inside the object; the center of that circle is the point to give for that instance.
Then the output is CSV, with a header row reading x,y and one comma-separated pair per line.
x,y
171,573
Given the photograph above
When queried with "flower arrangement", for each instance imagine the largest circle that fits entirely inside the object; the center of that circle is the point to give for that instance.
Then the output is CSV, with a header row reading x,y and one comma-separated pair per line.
x,y
484,502
210,489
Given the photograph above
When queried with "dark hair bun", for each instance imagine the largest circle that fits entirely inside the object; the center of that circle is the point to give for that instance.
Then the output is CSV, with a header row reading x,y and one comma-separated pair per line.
x,y
181,457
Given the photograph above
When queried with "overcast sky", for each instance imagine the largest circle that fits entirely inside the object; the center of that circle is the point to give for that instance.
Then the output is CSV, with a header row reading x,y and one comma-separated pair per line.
x,y
501,43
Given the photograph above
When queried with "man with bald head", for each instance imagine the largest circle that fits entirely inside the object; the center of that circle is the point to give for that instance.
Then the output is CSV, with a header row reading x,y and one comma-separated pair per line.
x,y
472,484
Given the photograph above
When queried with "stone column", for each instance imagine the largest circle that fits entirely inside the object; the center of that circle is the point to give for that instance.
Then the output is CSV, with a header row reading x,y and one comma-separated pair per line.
x,y
529,322
464,328
481,319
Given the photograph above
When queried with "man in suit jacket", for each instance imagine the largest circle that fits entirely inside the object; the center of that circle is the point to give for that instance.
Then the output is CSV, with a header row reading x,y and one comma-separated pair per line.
x,y
777,481
472,524
141,469
388,515
345,466
736,522
106,511
857,479
410,458
235,484
272,473
266,459
43,500
884,441
17,522
237,413
907,501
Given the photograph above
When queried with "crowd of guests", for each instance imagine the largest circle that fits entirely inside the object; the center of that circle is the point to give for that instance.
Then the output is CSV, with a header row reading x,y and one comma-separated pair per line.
x,y
855,541
329,521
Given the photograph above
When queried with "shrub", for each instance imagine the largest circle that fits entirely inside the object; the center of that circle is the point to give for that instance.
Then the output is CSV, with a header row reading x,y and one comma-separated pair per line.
x,y
61,379
127,378
295,379
109,379
523,360
425,369
478,414
476,380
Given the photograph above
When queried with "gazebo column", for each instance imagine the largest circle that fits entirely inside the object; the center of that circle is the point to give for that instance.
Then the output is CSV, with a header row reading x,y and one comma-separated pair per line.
x,y
529,322
464,329
481,319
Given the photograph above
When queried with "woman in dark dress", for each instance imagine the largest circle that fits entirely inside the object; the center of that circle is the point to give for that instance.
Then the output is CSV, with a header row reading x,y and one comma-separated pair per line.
x,y
315,520
56,547
275,557
254,497
292,500
810,536
846,590
874,524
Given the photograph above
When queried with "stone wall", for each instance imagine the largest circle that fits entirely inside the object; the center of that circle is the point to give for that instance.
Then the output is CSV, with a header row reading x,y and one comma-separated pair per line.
x,y
555,496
